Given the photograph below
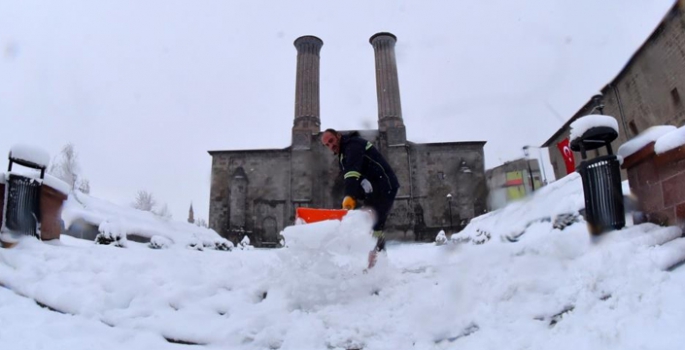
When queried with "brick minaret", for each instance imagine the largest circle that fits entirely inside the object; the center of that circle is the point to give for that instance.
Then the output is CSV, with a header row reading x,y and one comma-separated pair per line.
x,y
388,89
307,121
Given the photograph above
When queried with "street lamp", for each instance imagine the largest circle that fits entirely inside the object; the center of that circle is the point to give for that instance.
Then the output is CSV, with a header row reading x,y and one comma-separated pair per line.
x,y
449,203
598,101
530,172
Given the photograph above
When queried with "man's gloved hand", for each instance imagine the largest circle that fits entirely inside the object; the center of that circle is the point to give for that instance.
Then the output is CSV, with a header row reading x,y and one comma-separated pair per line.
x,y
349,203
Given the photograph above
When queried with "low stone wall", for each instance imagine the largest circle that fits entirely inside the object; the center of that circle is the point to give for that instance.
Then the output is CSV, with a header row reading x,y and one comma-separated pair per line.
x,y
658,180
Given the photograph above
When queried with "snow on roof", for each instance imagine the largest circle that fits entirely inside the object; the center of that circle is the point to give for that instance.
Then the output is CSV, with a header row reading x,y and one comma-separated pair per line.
x,y
643,139
583,124
31,154
132,221
670,140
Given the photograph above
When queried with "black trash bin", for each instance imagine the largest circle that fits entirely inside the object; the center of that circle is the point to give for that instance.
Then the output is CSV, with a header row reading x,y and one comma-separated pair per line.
x,y
22,213
23,204
601,177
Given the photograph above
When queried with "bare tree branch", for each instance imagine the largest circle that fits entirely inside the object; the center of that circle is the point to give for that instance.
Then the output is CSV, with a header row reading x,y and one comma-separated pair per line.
x,y
65,166
144,201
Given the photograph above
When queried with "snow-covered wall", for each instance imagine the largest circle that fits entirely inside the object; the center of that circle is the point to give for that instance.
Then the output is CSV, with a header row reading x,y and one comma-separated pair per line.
x,y
658,178
643,139
83,209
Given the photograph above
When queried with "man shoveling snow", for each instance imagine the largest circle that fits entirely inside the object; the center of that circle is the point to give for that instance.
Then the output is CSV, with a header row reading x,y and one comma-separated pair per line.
x,y
368,178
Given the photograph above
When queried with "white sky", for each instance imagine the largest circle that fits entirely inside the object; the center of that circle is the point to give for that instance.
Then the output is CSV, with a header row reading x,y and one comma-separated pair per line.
x,y
144,88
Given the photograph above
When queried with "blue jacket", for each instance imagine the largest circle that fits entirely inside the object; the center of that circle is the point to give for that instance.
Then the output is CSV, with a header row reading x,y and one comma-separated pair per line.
x,y
359,160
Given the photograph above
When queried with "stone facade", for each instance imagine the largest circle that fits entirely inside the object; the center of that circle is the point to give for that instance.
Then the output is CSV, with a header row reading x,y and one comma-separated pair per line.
x,y
650,90
256,192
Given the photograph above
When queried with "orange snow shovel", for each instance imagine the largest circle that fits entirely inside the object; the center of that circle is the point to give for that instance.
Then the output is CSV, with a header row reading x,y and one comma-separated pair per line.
x,y
309,215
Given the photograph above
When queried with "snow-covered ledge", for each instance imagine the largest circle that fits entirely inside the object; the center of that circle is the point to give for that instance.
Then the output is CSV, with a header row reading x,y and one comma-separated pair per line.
x,y
655,162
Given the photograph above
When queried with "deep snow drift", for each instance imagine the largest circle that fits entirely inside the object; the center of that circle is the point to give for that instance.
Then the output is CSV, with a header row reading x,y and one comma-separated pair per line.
x,y
510,280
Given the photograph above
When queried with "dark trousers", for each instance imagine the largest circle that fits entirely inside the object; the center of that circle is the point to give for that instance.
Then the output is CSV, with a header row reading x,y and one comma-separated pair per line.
x,y
381,201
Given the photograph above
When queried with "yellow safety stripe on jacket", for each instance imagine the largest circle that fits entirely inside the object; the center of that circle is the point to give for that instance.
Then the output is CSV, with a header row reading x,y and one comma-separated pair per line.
x,y
369,145
353,174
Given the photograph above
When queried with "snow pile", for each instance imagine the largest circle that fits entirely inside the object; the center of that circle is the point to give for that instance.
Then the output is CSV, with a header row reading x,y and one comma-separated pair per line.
x,y
245,243
160,242
30,154
671,140
547,289
112,233
341,241
115,220
583,124
643,139
441,238
43,329
553,206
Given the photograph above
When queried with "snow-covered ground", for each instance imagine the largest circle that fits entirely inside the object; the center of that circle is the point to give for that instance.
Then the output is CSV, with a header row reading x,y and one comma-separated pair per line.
x,y
510,280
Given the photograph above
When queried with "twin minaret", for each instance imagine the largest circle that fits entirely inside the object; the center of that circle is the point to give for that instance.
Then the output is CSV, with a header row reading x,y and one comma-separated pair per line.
x,y
307,110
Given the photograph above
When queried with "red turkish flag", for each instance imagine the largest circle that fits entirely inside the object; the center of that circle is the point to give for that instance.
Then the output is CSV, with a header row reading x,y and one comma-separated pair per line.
x,y
566,152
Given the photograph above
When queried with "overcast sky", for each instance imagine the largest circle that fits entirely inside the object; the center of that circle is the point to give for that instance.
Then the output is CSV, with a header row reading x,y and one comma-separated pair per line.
x,y
144,88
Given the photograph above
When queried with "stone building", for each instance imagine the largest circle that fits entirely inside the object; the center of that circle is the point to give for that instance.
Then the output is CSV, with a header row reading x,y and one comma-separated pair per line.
x,y
256,192
647,92
512,181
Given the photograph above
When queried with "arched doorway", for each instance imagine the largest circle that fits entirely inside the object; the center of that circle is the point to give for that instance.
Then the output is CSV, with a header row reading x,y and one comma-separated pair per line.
x,y
270,228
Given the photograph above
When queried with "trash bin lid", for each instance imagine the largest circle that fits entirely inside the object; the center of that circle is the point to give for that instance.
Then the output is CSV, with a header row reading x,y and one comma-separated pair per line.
x,y
594,138
29,156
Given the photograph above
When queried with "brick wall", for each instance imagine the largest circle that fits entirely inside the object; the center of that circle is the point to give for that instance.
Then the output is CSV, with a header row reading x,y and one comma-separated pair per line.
x,y
659,183
51,202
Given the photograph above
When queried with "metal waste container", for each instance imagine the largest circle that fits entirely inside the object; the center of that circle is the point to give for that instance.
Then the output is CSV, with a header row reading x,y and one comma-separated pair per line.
x,y
22,213
601,177
23,204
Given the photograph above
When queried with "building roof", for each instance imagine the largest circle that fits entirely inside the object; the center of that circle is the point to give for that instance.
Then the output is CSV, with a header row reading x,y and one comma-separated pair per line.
x,y
367,134
271,150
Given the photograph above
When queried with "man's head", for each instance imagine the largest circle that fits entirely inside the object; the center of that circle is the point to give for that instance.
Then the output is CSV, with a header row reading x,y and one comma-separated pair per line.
x,y
331,139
